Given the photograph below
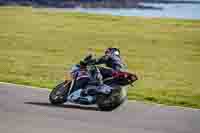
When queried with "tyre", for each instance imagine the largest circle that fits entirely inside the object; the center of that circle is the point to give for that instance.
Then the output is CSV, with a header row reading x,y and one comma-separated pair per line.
x,y
109,102
57,95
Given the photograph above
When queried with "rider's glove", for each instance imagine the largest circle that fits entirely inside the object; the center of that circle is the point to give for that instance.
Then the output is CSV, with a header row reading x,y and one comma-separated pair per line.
x,y
88,58
83,64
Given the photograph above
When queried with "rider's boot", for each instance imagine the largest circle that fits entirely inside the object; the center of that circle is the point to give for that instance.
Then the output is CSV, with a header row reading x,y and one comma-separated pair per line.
x,y
83,93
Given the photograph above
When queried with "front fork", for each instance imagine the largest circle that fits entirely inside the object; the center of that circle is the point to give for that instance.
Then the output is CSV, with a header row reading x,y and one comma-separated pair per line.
x,y
71,86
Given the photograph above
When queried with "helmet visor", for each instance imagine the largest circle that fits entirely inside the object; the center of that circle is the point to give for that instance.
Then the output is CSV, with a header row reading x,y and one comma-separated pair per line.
x,y
116,53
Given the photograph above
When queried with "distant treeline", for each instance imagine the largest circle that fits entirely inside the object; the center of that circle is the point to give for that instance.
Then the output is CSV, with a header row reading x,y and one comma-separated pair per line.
x,y
50,3
74,3
88,3
70,3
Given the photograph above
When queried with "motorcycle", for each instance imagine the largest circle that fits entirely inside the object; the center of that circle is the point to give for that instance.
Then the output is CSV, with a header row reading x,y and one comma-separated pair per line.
x,y
108,95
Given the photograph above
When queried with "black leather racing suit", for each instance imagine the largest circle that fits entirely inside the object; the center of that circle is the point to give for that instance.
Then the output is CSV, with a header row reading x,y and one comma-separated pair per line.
x,y
113,63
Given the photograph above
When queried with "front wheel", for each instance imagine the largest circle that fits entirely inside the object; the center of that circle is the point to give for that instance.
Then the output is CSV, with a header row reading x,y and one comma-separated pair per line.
x,y
57,95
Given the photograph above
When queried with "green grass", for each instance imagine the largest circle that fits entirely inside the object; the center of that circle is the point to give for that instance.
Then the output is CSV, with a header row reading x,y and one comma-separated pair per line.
x,y
36,47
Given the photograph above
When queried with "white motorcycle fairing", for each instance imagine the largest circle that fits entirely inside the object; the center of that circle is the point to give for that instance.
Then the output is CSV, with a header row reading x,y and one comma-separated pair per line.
x,y
75,97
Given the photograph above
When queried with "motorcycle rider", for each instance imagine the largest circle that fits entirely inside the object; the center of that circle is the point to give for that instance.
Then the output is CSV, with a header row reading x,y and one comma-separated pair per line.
x,y
111,59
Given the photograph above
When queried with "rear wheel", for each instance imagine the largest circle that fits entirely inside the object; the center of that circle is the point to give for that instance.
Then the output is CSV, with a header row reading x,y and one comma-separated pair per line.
x,y
57,95
110,102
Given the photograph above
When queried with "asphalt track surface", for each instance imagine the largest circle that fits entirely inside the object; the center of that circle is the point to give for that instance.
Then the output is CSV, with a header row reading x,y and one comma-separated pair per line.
x,y
27,110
